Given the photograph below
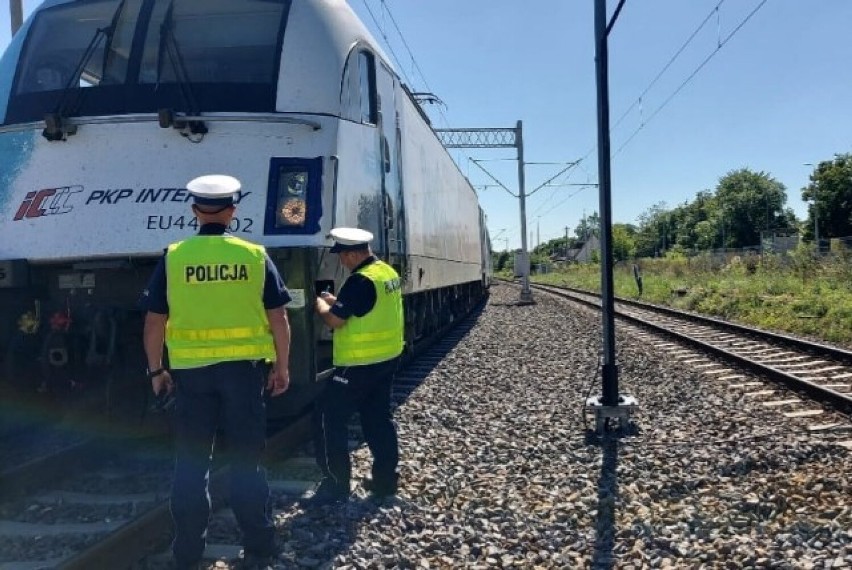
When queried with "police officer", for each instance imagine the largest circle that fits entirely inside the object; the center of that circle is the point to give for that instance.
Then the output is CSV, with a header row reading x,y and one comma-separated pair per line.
x,y
368,338
217,302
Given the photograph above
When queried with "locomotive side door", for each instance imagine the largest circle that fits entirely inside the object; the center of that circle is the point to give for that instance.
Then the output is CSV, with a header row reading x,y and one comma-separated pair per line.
x,y
389,134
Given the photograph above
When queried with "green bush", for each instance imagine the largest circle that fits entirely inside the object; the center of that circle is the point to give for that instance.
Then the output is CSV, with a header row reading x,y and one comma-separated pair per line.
x,y
798,292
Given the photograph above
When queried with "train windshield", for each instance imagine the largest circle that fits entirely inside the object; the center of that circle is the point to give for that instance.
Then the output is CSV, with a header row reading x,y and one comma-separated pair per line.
x,y
109,57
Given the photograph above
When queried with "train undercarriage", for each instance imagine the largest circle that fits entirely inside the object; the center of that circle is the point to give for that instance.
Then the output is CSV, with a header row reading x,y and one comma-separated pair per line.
x,y
71,340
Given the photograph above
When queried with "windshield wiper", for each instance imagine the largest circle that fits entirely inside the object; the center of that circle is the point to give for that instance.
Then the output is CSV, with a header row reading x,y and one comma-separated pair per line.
x,y
113,26
55,127
170,48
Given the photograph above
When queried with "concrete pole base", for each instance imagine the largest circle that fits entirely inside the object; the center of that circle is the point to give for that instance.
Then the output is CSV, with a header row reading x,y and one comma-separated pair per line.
x,y
621,412
526,298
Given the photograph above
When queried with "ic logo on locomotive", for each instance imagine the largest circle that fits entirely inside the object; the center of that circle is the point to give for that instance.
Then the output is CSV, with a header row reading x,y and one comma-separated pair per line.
x,y
47,202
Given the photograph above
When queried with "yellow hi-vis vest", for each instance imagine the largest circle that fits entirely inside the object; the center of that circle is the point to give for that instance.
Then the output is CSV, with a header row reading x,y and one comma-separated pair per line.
x,y
214,286
378,335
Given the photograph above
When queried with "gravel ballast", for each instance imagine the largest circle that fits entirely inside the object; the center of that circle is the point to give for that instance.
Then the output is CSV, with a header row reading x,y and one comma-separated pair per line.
x,y
498,469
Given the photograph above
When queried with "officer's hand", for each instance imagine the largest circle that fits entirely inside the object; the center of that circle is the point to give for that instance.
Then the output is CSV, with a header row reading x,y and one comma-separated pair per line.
x,y
279,380
162,382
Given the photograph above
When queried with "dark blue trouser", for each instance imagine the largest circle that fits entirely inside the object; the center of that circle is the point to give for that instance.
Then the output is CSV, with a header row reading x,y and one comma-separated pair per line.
x,y
225,397
367,390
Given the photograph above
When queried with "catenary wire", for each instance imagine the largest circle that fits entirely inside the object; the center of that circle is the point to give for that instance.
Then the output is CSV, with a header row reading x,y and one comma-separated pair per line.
x,y
407,48
667,65
654,81
691,76
719,46
659,75
416,65
381,30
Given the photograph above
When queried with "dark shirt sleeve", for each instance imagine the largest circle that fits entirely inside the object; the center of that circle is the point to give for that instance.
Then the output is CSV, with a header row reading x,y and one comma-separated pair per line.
x,y
357,297
275,294
154,297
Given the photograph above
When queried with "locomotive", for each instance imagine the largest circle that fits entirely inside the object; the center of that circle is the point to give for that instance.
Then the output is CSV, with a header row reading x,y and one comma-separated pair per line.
x,y
109,107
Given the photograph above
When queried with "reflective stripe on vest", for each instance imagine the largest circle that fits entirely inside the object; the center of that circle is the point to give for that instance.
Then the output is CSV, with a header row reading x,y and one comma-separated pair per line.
x,y
378,335
215,293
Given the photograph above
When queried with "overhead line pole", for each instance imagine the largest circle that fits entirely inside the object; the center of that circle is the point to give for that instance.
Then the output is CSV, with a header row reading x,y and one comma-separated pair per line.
x,y
16,15
610,370
610,404
526,294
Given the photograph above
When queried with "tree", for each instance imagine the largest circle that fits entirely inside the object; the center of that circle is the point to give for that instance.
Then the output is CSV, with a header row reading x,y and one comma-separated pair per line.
x,y
749,203
649,236
830,192
502,259
694,223
588,226
554,247
623,242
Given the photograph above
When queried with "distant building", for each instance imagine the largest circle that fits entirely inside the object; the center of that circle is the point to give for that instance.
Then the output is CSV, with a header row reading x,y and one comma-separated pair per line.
x,y
583,252
778,241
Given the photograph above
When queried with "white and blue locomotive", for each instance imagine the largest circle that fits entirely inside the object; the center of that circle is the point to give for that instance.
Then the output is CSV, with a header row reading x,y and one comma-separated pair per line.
x,y
109,107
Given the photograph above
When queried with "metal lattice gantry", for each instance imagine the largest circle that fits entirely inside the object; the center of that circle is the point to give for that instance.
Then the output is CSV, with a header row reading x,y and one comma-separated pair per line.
x,y
499,138
479,138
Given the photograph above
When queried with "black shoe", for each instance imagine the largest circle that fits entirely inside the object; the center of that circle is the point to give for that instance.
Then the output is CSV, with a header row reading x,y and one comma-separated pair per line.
x,y
261,560
326,494
382,489
252,562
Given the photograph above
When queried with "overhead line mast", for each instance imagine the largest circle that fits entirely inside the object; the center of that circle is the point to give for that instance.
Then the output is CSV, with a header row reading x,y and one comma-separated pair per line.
x,y
16,15
610,404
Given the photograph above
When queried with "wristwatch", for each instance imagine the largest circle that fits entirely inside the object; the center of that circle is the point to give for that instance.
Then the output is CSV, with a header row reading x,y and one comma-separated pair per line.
x,y
154,373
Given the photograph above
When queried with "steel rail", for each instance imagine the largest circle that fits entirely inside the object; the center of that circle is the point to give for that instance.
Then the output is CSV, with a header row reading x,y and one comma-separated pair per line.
x,y
21,479
151,532
836,399
803,344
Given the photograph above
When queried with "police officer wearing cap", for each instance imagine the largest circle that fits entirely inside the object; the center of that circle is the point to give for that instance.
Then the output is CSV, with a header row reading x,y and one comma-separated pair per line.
x,y
367,319
217,303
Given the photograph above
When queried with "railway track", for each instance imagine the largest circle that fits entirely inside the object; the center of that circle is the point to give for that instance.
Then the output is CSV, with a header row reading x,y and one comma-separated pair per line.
x,y
822,373
107,509
104,504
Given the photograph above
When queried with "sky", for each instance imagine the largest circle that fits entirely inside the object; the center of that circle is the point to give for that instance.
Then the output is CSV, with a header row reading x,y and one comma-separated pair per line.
x,y
775,97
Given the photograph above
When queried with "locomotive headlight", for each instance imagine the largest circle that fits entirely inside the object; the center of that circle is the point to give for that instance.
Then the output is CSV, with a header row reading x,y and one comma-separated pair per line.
x,y
292,212
296,183
291,208
294,200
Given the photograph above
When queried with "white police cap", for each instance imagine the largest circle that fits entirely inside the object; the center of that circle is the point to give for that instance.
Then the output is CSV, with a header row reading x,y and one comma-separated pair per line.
x,y
349,239
214,189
